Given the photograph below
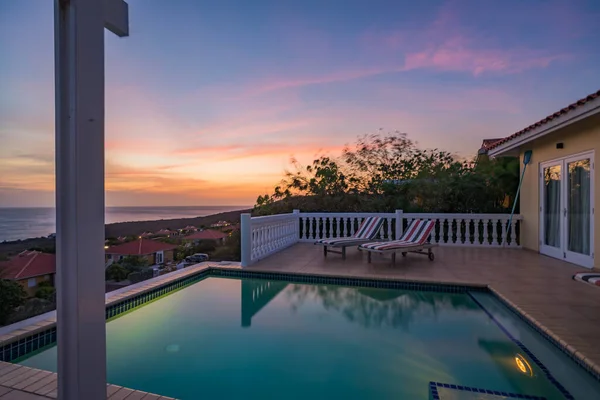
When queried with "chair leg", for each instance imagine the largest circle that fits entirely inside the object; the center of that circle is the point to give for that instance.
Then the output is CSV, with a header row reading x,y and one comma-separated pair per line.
x,y
325,251
394,258
369,256
344,253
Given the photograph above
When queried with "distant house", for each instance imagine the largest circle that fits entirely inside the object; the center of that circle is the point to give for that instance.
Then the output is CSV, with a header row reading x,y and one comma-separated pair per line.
x,y
207,234
154,251
220,224
485,147
146,235
29,269
189,228
165,233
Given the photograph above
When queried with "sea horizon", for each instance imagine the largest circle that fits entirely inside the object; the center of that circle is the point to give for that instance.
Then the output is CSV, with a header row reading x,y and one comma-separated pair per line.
x,y
19,223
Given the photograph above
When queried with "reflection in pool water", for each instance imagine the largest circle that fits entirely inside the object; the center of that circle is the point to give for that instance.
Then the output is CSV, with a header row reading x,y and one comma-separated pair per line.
x,y
309,341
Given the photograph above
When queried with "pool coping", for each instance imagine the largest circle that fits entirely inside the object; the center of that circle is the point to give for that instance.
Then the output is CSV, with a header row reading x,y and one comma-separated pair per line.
x,y
136,295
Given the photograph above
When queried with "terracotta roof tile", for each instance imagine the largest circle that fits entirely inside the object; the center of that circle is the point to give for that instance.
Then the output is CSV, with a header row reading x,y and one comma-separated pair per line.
x,y
549,118
140,247
207,234
28,264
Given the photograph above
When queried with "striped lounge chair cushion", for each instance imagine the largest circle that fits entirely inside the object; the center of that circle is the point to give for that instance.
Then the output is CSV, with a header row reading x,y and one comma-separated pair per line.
x,y
367,230
416,234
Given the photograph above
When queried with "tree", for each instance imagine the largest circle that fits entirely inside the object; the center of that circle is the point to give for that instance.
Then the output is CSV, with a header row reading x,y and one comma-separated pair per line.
x,y
117,272
12,295
384,172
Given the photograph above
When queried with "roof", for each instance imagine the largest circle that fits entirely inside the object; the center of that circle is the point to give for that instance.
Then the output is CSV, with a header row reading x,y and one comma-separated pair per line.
x,y
207,234
565,113
140,247
165,232
28,264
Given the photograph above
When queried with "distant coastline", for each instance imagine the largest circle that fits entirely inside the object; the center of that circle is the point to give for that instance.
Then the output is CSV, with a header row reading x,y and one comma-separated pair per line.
x,y
130,228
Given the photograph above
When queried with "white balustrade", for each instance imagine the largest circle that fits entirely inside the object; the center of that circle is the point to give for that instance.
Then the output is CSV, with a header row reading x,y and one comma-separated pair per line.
x,y
263,236
317,226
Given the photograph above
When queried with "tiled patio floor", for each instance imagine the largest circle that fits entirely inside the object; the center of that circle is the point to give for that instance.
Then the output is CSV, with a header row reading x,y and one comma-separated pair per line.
x,y
540,286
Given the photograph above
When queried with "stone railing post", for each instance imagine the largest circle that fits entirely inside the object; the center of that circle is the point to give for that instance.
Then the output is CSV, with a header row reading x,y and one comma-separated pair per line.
x,y
297,215
246,239
399,224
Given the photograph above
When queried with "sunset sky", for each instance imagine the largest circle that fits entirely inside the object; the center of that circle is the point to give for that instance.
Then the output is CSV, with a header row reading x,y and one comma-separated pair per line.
x,y
206,101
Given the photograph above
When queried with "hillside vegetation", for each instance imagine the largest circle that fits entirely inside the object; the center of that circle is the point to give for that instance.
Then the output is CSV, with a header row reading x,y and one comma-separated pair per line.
x,y
385,172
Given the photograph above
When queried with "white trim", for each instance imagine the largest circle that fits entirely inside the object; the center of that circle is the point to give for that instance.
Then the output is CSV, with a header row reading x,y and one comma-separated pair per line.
x,y
589,109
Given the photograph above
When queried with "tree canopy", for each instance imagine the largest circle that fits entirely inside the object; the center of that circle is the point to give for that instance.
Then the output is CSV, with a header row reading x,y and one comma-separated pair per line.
x,y
384,172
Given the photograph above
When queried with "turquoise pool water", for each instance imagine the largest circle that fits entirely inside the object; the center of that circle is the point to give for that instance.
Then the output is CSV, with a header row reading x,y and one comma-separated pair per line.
x,y
233,338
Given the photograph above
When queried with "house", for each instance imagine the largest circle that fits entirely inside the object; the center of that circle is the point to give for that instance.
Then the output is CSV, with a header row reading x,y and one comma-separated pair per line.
x,y
485,148
220,224
154,251
189,228
165,233
559,191
206,234
29,269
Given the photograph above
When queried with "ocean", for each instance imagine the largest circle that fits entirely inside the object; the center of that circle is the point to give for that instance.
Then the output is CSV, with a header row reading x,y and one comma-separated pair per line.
x,y
24,223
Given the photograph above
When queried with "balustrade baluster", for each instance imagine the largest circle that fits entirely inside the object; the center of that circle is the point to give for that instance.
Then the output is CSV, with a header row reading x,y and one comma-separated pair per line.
x,y
513,233
476,241
459,231
494,232
486,240
337,226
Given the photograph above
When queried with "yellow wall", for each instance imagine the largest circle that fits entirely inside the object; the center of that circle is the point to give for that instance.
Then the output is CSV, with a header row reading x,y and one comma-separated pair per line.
x,y
38,279
580,137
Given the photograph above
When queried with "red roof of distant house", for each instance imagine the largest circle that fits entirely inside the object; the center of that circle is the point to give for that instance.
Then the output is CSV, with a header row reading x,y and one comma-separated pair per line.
x,y
28,264
549,118
207,234
140,247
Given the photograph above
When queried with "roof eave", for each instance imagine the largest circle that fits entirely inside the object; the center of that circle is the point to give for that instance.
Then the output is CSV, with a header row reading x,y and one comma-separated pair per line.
x,y
511,147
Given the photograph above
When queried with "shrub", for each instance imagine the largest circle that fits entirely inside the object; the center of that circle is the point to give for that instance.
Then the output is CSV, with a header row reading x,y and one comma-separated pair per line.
x,y
116,272
46,293
12,295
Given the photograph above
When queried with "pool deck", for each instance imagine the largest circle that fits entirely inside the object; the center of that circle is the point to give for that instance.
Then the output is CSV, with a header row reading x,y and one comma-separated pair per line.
x,y
539,287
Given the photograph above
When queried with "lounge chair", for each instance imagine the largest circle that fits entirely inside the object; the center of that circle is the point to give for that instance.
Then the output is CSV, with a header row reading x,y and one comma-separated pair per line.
x,y
367,231
414,240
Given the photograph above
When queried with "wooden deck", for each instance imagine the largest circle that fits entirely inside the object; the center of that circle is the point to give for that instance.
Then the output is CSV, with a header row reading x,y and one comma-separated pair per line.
x,y
541,287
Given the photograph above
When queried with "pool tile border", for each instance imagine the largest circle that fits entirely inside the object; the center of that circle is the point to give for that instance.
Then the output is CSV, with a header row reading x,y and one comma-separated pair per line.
x,y
433,389
350,281
516,341
562,345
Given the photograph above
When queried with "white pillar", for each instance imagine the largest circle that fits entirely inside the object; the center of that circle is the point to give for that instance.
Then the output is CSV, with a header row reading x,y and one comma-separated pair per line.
x,y
79,80
399,224
246,239
297,214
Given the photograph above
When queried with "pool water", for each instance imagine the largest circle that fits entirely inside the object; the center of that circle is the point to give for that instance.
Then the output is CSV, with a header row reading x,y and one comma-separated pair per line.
x,y
242,338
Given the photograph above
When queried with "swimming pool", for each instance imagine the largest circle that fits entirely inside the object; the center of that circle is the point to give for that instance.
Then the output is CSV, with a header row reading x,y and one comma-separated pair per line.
x,y
257,338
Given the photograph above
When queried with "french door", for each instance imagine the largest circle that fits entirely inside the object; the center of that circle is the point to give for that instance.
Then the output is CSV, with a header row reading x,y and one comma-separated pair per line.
x,y
567,209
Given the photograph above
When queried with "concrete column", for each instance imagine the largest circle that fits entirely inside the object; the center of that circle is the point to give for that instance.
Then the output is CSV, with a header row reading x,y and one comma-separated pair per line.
x,y
399,224
79,87
246,239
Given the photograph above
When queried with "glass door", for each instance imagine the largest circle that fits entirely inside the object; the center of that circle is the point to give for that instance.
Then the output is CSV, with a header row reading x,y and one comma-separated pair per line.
x,y
567,209
579,208
551,209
